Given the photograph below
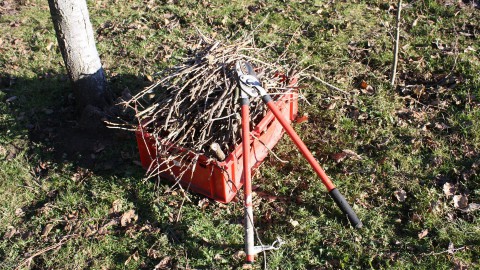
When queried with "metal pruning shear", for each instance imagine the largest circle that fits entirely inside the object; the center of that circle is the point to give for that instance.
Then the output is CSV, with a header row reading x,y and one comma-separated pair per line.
x,y
250,86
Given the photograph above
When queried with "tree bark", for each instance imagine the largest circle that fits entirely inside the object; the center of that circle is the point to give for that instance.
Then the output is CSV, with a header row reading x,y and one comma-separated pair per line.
x,y
77,45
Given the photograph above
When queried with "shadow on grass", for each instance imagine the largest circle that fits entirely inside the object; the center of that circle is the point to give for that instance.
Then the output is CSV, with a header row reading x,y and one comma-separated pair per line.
x,y
42,112
45,109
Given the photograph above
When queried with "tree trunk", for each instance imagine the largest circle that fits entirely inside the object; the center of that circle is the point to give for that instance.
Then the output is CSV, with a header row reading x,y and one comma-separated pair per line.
x,y
77,44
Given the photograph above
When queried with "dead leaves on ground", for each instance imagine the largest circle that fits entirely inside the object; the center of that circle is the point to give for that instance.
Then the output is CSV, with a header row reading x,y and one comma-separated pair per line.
x,y
134,257
46,230
164,264
460,201
422,234
346,153
401,195
128,218
11,231
115,223
301,119
449,189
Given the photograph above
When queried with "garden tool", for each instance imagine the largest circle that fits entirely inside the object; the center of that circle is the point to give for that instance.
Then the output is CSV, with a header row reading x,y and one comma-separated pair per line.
x,y
251,87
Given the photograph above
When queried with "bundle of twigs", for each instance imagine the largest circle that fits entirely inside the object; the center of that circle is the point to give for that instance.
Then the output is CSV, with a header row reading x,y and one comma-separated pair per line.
x,y
194,105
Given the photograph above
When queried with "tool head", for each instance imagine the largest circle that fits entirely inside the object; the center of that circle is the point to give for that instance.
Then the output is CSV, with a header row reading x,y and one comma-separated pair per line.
x,y
247,79
245,68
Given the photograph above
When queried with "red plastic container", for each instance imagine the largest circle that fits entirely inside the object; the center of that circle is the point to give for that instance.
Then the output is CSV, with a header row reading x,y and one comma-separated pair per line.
x,y
221,180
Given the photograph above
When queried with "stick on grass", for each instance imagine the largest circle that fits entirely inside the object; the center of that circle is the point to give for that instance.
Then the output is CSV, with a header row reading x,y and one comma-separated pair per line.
x,y
397,44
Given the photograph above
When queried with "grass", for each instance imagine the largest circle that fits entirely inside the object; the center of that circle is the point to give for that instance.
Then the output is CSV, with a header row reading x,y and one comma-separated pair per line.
x,y
411,140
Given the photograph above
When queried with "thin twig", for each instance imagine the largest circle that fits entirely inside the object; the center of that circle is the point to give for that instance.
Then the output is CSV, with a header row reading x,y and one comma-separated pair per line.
x,y
28,260
397,44
269,150
445,251
327,84
195,103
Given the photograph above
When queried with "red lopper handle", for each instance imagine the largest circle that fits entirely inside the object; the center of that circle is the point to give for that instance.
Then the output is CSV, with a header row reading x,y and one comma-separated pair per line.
x,y
334,193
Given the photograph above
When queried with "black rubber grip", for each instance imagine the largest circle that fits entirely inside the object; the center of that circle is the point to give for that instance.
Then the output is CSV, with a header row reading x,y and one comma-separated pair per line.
x,y
244,101
266,98
345,207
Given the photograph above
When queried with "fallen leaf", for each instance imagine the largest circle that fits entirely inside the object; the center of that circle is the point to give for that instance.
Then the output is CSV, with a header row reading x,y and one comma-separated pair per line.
x,y
459,265
471,207
247,266
469,49
50,46
415,22
451,216
153,253
460,201
163,264
418,89
401,195
116,206
441,126
332,106
338,157
147,227
366,88
363,84
134,257
203,203
435,206
104,229
149,78
363,116
10,232
90,231
19,212
294,223
448,189
127,217
224,20
422,234
416,217
476,164
46,230
352,154
268,215
271,198
11,99
302,119
239,255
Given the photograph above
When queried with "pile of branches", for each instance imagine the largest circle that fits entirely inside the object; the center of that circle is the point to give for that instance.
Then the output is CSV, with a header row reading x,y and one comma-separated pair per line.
x,y
194,105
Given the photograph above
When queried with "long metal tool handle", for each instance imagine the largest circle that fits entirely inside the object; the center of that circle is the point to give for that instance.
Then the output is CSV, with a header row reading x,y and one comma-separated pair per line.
x,y
247,185
334,193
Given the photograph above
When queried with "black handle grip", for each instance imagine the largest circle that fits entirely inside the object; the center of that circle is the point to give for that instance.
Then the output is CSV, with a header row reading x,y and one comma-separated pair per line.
x,y
346,208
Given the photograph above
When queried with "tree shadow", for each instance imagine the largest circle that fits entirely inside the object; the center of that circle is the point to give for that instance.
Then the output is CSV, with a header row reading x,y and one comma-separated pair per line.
x,y
44,109
42,112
